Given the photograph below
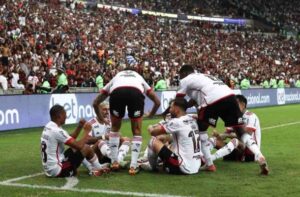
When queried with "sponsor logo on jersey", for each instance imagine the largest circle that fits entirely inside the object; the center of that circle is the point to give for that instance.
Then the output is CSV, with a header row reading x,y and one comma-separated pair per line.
x,y
212,121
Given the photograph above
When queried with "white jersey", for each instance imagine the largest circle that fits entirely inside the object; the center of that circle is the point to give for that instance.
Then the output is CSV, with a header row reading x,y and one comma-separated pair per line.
x,y
204,89
186,142
127,78
98,129
252,124
52,148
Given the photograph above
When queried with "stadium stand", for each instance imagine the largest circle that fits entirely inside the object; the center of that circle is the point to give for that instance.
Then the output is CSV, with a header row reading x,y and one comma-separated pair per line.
x,y
37,38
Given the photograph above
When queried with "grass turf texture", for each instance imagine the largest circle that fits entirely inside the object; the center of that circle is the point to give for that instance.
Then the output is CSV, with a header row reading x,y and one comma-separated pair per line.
x,y
20,156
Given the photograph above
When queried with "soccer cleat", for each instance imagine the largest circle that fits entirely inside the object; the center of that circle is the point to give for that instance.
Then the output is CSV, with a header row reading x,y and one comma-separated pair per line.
x,y
264,170
211,168
100,172
133,171
115,166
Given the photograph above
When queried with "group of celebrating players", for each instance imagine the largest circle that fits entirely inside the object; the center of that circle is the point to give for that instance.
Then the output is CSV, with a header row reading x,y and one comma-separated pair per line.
x,y
179,144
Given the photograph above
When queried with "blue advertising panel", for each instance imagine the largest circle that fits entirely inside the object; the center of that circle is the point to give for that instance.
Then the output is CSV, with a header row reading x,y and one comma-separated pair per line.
x,y
26,111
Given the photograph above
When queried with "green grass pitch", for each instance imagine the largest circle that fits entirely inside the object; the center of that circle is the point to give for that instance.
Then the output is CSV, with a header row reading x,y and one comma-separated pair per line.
x,y
20,156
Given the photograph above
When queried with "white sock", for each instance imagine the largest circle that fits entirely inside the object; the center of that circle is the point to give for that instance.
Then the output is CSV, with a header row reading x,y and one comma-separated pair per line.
x,y
136,146
114,141
123,150
87,164
205,148
251,144
226,150
104,149
95,162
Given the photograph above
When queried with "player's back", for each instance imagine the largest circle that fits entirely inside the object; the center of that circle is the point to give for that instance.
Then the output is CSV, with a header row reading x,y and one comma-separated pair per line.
x,y
205,89
52,147
187,143
128,79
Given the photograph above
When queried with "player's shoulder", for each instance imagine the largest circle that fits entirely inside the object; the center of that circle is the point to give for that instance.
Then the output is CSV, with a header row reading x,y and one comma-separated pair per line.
x,y
93,121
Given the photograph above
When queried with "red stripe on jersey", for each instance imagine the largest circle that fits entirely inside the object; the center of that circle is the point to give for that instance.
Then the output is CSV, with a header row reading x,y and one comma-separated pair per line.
x,y
69,141
92,121
102,91
180,95
173,161
251,129
148,91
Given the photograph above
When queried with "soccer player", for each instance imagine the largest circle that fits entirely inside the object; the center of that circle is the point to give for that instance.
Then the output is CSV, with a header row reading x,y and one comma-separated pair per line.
x,y
126,89
101,126
184,155
252,126
215,99
57,162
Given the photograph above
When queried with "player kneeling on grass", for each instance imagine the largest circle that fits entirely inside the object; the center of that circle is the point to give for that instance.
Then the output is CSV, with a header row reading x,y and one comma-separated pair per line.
x,y
184,156
99,135
235,150
59,163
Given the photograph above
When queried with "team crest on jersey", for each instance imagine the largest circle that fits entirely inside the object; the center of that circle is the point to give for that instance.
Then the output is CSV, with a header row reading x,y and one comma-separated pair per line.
x,y
137,113
240,121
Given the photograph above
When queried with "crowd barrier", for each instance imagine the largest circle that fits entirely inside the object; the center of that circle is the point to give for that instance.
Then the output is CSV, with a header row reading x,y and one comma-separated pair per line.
x,y
27,111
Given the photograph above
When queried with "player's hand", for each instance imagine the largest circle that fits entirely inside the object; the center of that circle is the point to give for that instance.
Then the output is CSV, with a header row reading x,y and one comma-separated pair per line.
x,y
81,122
87,127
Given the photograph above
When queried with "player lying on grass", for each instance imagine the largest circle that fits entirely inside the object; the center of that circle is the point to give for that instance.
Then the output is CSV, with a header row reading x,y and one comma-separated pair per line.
x,y
59,163
101,127
183,156
235,150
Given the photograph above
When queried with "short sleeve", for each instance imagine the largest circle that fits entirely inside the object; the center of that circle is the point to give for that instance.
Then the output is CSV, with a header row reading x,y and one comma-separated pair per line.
x,y
63,137
171,126
182,89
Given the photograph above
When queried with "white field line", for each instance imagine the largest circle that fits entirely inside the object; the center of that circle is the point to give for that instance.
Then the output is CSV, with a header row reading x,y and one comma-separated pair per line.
x,y
281,125
100,191
71,182
21,178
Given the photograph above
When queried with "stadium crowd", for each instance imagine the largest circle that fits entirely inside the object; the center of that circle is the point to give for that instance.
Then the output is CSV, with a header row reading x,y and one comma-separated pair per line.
x,y
87,48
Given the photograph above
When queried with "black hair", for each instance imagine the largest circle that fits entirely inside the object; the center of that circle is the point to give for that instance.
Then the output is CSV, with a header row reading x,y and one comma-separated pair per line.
x,y
241,98
186,69
180,102
55,111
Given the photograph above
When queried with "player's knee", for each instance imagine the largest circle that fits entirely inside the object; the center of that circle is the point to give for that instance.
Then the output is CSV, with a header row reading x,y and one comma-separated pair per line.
x,y
203,137
235,142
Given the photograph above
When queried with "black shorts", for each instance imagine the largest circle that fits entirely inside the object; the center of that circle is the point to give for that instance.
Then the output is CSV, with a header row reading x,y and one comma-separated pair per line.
x,y
170,161
73,161
237,155
227,109
127,96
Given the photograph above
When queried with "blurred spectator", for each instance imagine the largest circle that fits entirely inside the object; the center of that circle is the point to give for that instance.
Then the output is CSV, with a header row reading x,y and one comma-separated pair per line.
x,y
3,79
161,84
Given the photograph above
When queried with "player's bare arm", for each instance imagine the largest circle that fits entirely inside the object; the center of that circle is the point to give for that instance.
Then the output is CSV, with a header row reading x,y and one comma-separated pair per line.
x,y
155,130
156,104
